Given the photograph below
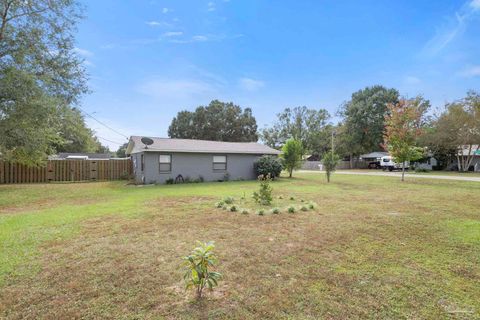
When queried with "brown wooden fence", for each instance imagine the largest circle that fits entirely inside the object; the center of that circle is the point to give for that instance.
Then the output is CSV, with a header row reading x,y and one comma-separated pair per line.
x,y
66,170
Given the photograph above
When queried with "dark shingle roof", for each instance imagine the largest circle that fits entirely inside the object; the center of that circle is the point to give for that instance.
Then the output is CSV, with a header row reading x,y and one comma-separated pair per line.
x,y
198,146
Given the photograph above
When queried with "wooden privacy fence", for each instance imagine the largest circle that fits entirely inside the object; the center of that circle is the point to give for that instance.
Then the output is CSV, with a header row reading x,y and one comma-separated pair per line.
x,y
66,170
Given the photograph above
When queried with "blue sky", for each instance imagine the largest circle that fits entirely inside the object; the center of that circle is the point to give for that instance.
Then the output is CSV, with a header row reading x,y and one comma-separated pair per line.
x,y
149,59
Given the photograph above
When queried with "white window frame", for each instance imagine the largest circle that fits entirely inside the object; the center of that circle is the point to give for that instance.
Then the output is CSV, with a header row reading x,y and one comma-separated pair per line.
x,y
216,162
160,163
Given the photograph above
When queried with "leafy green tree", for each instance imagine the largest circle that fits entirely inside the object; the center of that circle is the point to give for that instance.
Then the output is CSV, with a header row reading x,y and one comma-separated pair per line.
x,y
219,121
330,161
28,119
310,126
364,118
198,265
292,155
121,152
41,76
75,135
456,132
403,127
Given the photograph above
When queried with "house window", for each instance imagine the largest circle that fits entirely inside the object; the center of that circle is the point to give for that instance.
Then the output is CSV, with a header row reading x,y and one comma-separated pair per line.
x,y
219,162
142,161
165,163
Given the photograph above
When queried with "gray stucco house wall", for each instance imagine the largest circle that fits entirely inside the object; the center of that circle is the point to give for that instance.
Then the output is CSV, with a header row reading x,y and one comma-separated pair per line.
x,y
194,159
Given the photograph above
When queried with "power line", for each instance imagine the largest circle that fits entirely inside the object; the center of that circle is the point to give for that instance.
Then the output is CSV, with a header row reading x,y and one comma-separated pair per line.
x,y
103,124
119,143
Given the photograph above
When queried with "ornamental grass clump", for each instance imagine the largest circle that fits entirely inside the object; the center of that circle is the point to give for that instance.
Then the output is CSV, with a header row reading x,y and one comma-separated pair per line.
x,y
233,209
244,211
228,200
304,208
219,204
261,212
199,265
291,209
275,210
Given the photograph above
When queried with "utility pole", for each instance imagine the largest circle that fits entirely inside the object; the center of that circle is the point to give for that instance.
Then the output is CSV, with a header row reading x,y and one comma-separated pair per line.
x,y
333,146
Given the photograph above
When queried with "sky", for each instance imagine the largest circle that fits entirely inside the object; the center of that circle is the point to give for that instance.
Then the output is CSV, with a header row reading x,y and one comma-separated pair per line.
x,y
149,59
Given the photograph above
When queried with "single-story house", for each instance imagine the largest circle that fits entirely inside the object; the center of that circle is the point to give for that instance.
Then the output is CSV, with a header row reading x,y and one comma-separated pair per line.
x,y
80,156
428,163
167,158
465,152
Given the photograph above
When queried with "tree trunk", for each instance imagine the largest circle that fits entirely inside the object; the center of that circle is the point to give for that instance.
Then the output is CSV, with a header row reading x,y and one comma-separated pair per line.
x,y
290,173
403,171
351,161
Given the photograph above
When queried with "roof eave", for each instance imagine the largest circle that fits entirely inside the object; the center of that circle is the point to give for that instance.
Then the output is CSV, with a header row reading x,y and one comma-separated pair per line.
x,y
207,151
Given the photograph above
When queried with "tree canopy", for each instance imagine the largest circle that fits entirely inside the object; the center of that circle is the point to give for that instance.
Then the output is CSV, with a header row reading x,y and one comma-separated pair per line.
x,y
309,126
364,118
403,126
292,155
455,133
219,121
41,79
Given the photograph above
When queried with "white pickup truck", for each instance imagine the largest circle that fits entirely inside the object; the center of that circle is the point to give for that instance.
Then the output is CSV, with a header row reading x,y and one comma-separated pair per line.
x,y
387,163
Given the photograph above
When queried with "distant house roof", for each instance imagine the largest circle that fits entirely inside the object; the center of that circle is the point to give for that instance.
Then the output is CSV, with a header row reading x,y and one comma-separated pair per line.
x,y
89,156
135,145
465,150
374,155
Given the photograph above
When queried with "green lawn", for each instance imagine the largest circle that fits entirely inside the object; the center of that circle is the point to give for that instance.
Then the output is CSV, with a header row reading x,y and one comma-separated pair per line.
x,y
373,248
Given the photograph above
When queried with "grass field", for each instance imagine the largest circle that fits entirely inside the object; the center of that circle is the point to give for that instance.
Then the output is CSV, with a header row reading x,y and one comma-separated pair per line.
x,y
373,248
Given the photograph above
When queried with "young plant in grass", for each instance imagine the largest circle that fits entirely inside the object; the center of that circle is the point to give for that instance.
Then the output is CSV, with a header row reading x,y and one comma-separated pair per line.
x,y
199,264
261,212
244,211
291,209
228,200
264,195
330,161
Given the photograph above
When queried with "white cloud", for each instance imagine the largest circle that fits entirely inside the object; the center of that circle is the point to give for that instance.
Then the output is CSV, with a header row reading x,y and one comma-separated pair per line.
x,y
250,84
211,6
475,4
83,52
453,29
172,34
154,23
412,80
200,38
166,10
470,72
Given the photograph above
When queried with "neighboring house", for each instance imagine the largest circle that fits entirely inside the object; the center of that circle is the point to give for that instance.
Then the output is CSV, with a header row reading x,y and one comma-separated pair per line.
x,y
427,163
80,156
196,159
465,154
